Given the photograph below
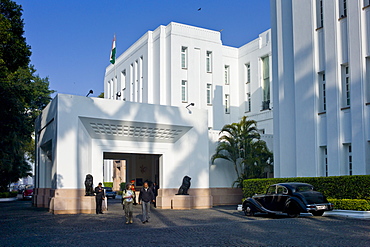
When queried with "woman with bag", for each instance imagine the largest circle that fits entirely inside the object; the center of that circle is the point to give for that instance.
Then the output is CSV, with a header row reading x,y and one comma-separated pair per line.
x,y
128,200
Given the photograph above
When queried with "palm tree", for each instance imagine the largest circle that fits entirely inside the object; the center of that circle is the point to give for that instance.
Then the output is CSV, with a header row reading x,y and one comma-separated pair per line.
x,y
241,145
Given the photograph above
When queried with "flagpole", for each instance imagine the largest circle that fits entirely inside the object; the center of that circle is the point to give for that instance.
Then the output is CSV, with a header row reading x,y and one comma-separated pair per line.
x,y
115,72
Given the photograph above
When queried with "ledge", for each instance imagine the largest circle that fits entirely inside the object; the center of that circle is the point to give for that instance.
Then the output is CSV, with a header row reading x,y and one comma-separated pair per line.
x,y
345,108
10,199
368,103
349,214
337,212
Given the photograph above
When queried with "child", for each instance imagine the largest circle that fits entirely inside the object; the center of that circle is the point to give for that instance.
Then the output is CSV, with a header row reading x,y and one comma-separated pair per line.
x,y
127,197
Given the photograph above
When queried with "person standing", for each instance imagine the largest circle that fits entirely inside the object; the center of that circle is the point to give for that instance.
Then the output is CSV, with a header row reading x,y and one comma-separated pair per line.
x,y
128,198
99,197
133,189
154,187
146,196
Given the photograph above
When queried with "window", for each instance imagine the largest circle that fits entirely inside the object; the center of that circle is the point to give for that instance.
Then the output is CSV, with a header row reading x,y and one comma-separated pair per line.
x,y
184,91
209,61
265,83
184,57
141,86
248,73
325,161
367,79
227,103
350,159
123,79
319,14
322,92
209,93
342,8
132,93
366,3
108,89
271,190
346,86
248,102
227,74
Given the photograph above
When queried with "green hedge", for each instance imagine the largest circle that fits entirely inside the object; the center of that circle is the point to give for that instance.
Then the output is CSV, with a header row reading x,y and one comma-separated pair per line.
x,y
351,204
108,184
338,187
8,194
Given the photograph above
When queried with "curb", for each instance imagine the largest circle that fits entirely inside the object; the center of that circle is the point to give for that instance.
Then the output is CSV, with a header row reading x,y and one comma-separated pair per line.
x,y
342,213
11,199
349,214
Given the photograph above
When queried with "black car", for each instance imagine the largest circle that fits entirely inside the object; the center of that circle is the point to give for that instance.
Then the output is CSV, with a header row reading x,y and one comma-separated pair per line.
x,y
109,192
289,198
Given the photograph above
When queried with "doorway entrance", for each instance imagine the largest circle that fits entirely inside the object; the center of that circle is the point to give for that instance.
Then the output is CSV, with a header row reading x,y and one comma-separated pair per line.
x,y
125,167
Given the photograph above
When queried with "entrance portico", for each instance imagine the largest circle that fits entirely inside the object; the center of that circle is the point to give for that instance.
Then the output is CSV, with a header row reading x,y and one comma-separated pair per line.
x,y
74,133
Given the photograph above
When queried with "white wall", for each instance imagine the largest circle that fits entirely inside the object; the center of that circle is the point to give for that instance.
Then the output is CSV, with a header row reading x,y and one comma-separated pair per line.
x,y
80,154
302,51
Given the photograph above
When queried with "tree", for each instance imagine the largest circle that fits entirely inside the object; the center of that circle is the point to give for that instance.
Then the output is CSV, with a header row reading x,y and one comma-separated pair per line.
x,y
241,145
23,95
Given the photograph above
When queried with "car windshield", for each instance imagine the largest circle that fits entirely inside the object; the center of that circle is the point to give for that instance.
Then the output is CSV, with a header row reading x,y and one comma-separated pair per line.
x,y
303,188
108,189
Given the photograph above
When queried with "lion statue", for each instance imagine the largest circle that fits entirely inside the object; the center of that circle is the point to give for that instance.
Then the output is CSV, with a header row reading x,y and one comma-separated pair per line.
x,y
89,185
183,190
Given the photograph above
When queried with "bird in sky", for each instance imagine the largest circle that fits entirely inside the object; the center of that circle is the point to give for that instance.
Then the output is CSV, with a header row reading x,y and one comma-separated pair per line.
x,y
199,9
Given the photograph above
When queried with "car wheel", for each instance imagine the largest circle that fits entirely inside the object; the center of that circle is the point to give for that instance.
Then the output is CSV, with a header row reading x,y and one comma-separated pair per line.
x,y
293,211
248,211
317,213
293,214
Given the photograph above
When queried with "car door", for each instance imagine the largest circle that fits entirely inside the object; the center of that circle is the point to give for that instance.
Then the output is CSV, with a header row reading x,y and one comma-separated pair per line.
x,y
271,191
279,199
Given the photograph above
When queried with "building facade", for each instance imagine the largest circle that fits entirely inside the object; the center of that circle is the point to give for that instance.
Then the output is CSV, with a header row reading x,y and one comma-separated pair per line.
x,y
321,71
186,66
180,64
166,99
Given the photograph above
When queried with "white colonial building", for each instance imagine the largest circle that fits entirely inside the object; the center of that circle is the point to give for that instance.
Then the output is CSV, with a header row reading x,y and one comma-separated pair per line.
x,y
166,99
180,64
321,71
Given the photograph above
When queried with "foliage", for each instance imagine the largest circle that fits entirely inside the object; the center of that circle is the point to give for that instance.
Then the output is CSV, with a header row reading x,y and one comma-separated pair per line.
x,y
351,204
8,194
108,184
335,187
23,95
122,186
101,95
240,144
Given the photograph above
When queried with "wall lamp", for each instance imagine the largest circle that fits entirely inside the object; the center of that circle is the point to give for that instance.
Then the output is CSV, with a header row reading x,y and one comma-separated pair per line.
x,y
90,92
191,104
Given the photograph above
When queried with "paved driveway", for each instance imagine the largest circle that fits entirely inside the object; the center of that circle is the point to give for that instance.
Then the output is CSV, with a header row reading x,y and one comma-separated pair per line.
x,y
23,225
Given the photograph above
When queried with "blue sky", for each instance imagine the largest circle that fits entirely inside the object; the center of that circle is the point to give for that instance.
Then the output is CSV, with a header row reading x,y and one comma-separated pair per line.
x,y
71,40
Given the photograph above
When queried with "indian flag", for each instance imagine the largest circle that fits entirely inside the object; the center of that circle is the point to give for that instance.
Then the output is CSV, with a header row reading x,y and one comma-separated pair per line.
x,y
112,57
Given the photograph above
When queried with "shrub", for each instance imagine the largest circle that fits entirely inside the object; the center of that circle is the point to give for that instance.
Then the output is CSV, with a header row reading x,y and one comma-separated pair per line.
x,y
108,184
122,186
338,187
351,204
8,194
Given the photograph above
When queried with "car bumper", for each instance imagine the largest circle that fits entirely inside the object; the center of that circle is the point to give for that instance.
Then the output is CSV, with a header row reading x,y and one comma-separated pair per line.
x,y
320,207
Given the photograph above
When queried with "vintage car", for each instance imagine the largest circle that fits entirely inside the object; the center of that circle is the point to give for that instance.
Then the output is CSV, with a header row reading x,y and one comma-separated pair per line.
x,y
289,198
